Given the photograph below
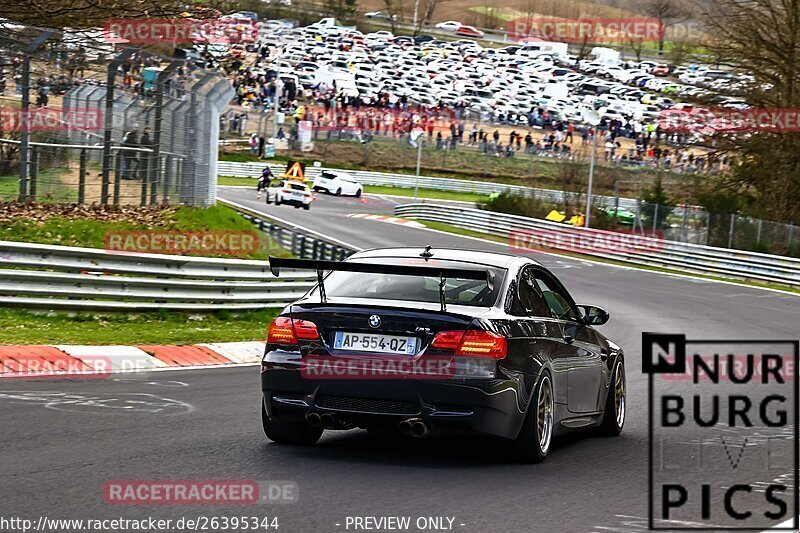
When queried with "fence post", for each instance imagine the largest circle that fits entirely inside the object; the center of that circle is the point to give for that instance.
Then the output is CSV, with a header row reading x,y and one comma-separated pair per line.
x,y
730,231
791,237
117,177
145,176
154,170
109,121
684,236
25,105
34,172
82,177
758,231
655,219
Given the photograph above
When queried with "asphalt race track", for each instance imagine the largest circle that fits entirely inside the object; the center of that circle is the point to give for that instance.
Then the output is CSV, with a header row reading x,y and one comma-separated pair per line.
x,y
68,438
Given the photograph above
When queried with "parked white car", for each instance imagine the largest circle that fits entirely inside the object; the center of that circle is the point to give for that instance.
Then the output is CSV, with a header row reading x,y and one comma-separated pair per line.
x,y
338,183
290,192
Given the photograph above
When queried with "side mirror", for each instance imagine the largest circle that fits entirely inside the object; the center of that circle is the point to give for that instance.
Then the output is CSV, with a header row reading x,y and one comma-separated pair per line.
x,y
593,315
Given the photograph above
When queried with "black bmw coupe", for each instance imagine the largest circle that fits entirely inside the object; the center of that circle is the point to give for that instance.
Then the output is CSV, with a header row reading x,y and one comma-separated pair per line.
x,y
423,342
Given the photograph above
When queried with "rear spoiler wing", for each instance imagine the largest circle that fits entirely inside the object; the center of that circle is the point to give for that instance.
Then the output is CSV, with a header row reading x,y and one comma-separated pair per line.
x,y
320,266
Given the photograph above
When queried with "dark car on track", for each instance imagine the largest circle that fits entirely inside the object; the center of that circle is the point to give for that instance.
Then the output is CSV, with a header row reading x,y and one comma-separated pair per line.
x,y
423,342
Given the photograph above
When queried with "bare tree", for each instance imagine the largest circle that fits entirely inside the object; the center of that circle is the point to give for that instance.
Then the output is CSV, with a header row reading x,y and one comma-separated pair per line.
x,y
428,9
760,40
668,13
394,8
93,13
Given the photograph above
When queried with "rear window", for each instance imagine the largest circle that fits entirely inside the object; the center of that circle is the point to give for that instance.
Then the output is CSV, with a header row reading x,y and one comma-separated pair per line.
x,y
467,292
297,187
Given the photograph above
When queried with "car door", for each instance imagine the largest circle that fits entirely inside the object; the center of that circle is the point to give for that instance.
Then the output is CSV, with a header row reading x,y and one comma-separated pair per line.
x,y
543,335
274,191
584,357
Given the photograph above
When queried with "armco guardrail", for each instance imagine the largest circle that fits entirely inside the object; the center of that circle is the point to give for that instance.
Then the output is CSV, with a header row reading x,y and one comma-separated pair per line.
x,y
301,244
253,170
524,232
65,277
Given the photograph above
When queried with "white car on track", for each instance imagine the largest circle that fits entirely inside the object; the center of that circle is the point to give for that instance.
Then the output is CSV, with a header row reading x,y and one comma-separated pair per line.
x,y
338,183
290,192
449,25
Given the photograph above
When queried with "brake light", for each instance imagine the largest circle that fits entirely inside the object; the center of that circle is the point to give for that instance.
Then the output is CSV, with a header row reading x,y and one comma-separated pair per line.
x,y
479,343
283,331
306,330
472,343
447,340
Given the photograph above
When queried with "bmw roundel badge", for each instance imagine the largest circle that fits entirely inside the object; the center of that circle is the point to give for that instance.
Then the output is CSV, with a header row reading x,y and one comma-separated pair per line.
x,y
374,321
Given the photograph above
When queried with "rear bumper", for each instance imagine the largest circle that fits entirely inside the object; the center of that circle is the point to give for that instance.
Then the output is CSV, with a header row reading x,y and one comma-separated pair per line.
x,y
494,407
292,201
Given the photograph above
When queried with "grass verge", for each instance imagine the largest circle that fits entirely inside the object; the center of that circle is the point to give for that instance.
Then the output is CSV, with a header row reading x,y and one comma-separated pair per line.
x,y
66,226
471,233
49,327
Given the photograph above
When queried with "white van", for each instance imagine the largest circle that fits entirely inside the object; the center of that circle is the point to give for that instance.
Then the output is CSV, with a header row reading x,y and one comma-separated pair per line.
x,y
555,49
345,81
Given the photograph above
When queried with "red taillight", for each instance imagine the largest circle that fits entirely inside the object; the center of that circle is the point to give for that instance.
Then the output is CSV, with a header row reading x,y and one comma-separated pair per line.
x,y
447,340
479,343
283,331
306,330
472,343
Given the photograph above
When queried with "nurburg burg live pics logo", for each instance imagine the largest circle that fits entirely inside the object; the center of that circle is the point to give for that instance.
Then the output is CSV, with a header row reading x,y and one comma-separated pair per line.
x,y
723,433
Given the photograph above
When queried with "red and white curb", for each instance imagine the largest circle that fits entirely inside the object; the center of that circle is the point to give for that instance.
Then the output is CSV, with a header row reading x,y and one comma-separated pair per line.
x,y
65,360
386,218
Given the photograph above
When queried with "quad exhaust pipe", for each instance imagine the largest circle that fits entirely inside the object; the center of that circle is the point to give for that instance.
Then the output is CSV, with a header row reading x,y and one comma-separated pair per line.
x,y
327,421
415,427
314,420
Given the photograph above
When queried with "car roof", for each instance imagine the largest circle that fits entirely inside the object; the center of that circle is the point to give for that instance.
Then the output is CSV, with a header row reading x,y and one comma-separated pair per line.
x,y
495,259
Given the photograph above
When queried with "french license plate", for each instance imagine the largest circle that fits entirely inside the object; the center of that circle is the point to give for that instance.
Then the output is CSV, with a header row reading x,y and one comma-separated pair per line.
x,y
370,342
298,195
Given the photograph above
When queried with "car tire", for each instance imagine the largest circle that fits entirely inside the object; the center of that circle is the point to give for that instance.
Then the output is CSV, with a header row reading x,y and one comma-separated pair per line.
x,y
536,436
277,200
338,192
267,195
358,193
316,189
289,432
307,207
616,403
